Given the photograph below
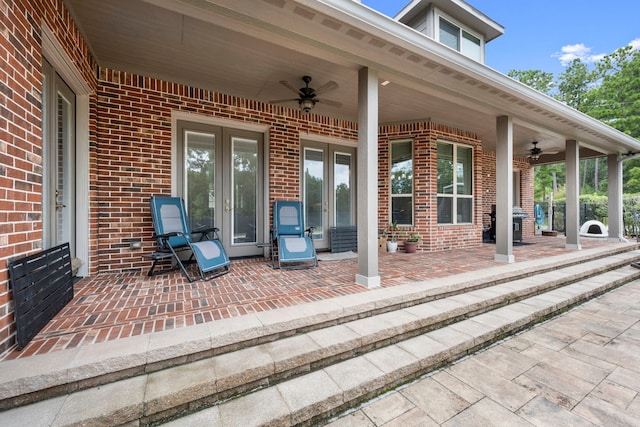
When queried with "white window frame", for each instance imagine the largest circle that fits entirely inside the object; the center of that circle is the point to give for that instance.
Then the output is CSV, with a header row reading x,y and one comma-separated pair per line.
x,y
516,187
461,29
410,195
454,195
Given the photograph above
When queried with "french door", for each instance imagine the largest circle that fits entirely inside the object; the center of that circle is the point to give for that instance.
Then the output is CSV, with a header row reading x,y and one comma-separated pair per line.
x,y
222,181
328,189
59,161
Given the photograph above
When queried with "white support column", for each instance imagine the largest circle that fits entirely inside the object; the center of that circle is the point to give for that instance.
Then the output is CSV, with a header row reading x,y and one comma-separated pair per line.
x,y
614,192
572,215
368,179
504,190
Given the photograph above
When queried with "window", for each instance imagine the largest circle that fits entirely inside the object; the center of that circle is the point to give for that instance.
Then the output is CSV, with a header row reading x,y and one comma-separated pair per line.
x,y
455,184
461,40
402,182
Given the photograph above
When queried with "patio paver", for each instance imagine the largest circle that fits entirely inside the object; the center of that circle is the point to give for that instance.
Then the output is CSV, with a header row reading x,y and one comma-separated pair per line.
x,y
108,307
528,380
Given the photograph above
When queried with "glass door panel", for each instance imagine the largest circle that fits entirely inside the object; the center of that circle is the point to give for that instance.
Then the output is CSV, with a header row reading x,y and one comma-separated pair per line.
x,y
200,178
64,191
243,201
315,205
343,189
59,161
244,186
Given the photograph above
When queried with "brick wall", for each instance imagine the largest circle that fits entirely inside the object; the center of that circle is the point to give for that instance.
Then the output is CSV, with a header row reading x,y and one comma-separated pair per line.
x,y
134,162
425,136
20,129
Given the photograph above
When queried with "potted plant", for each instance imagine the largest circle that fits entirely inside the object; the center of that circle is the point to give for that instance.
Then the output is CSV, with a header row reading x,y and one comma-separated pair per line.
x,y
411,244
392,241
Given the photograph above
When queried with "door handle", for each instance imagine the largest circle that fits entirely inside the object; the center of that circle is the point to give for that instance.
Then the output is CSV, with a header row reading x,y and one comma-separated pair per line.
x,y
59,205
227,209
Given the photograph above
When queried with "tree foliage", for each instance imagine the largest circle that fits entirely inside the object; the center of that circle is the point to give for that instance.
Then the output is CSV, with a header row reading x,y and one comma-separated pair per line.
x,y
608,90
616,100
574,85
537,79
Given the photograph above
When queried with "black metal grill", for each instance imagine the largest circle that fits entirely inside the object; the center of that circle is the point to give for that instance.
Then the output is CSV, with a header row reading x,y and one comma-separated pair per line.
x,y
518,214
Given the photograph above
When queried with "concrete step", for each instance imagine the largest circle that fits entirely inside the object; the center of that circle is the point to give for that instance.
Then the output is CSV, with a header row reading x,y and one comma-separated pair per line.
x,y
194,368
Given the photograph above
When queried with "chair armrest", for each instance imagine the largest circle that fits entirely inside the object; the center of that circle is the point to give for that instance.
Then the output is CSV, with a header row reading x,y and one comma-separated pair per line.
x,y
204,229
166,236
206,233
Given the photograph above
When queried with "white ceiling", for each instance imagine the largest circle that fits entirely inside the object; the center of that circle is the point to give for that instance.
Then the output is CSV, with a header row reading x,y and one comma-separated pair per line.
x,y
246,47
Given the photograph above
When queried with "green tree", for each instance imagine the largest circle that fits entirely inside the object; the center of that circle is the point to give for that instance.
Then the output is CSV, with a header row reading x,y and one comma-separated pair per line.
x,y
548,179
632,183
616,99
574,85
608,91
537,79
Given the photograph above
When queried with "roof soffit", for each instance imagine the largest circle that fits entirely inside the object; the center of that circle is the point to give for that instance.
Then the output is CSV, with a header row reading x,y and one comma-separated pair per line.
x,y
350,35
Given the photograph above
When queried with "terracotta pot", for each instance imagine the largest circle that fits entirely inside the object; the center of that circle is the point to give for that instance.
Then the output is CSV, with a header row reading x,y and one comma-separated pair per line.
x,y
410,247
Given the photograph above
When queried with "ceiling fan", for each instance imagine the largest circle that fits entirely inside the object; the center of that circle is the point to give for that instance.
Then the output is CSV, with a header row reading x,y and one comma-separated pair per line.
x,y
307,95
535,152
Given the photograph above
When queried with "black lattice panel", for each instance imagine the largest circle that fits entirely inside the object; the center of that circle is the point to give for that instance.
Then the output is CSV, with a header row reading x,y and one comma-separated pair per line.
x,y
42,285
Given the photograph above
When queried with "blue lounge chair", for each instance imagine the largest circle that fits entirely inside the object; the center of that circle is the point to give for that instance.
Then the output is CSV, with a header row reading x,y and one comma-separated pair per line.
x,y
172,233
291,246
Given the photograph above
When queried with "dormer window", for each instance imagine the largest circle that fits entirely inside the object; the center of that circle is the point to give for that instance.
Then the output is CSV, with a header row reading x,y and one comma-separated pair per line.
x,y
459,39
453,23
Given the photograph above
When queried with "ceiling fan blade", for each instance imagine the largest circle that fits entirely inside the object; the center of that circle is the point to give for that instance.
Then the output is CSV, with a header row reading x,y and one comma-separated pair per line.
x,y
331,85
290,87
278,101
329,102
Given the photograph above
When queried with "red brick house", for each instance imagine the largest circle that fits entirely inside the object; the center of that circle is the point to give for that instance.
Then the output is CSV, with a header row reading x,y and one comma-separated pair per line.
x,y
107,103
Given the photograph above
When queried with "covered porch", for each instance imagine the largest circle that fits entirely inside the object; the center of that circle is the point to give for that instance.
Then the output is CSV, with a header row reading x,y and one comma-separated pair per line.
x,y
386,83
113,306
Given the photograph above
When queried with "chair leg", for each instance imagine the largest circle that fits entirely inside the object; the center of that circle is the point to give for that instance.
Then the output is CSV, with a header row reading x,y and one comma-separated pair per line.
x,y
156,257
153,267
181,265
274,247
216,273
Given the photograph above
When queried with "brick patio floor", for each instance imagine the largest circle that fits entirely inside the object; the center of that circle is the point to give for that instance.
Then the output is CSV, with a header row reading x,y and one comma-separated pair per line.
x,y
111,306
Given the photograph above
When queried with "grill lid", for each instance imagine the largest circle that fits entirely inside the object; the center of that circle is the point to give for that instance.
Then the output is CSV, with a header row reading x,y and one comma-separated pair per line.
x,y
518,212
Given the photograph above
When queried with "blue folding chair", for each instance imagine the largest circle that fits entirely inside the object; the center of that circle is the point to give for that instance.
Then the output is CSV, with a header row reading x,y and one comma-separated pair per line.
x,y
173,236
292,248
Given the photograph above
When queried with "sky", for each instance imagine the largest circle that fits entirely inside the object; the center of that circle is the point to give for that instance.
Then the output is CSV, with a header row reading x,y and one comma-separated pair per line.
x,y
547,34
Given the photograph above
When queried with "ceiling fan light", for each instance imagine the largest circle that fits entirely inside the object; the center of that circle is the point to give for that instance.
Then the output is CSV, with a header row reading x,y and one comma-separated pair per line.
x,y
306,105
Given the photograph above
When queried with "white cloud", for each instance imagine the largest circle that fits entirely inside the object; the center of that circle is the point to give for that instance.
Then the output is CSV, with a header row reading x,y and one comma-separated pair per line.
x,y
576,51
579,51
